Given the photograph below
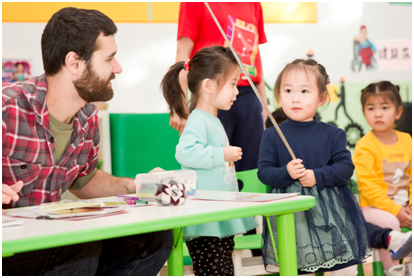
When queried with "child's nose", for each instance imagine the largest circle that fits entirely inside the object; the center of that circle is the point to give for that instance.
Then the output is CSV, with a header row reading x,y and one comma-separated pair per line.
x,y
295,98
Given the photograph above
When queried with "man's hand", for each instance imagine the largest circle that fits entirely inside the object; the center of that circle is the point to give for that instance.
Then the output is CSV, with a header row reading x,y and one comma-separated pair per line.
x,y
177,123
232,154
296,169
10,192
156,169
404,216
308,180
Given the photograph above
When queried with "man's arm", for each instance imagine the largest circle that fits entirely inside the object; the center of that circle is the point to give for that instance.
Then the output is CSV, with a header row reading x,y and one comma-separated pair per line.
x,y
184,47
104,185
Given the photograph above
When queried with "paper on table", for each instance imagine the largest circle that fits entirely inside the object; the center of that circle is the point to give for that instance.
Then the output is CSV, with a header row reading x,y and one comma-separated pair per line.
x,y
240,196
70,204
33,212
8,222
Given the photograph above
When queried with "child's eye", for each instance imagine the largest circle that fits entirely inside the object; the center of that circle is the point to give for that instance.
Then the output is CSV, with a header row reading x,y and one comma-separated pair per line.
x,y
288,91
304,91
384,107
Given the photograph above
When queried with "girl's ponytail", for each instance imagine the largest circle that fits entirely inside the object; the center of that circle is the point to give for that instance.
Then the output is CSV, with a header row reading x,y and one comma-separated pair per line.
x,y
172,91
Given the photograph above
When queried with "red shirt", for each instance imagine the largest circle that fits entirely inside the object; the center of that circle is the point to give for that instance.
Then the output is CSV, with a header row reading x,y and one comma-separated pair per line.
x,y
241,21
29,149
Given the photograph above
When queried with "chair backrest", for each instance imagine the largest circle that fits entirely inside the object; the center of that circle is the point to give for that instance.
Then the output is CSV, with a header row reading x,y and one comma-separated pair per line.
x,y
251,182
141,142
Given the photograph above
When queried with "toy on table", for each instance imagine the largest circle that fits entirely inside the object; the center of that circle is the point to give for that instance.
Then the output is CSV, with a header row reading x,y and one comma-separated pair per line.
x,y
170,192
145,183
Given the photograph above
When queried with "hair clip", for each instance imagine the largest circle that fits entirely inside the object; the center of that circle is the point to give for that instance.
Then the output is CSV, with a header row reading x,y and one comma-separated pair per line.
x,y
187,65
328,80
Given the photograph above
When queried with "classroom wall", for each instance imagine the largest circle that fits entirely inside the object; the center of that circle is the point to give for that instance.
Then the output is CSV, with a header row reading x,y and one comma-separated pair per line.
x,y
147,50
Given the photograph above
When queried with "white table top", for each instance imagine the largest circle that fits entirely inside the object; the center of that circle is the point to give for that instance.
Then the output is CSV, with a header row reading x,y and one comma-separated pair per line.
x,y
35,228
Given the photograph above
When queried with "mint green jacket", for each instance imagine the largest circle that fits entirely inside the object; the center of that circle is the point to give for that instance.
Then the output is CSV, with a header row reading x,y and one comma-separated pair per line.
x,y
201,148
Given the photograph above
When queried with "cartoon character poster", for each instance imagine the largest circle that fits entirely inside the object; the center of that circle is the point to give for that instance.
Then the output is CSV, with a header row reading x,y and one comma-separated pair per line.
x,y
364,51
14,70
244,38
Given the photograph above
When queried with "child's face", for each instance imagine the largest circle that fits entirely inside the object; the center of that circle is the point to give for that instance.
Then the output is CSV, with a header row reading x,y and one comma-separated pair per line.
x,y
299,95
381,113
224,99
20,68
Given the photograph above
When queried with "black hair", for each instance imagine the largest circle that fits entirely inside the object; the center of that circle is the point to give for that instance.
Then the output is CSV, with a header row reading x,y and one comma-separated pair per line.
x,y
215,62
72,29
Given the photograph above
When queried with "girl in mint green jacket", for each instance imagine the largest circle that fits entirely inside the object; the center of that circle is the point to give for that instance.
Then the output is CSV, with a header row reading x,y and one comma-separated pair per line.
x,y
204,147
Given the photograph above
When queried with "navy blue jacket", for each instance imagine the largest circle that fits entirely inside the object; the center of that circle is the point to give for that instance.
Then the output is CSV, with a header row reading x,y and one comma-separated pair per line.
x,y
321,146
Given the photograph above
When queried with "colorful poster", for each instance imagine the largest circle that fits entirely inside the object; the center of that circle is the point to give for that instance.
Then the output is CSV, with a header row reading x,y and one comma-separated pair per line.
x,y
364,51
244,38
394,55
15,70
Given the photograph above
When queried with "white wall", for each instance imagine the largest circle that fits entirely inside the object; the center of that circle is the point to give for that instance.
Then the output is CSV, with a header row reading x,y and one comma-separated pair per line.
x,y
146,51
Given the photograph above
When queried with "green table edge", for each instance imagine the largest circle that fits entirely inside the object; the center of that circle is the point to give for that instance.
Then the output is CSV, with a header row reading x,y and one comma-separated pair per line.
x,y
61,239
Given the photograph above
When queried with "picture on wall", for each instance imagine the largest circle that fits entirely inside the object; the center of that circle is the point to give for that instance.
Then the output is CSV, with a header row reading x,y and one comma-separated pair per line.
x,y
364,51
14,70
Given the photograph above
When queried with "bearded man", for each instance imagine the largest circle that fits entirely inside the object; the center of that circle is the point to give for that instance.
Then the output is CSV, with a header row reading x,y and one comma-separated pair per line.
x,y
50,145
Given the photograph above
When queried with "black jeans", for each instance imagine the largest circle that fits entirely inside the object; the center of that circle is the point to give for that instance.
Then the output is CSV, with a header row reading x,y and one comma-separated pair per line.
x,y
138,255
378,236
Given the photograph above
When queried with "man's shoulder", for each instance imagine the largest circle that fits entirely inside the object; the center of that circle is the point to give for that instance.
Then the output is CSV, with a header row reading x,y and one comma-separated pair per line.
x,y
23,90
12,91
13,96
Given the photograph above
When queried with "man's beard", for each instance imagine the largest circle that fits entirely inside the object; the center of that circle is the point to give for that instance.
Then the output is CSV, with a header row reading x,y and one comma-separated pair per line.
x,y
92,88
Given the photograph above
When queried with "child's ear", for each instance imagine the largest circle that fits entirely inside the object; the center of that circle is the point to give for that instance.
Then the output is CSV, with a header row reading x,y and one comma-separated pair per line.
x,y
207,85
322,99
399,112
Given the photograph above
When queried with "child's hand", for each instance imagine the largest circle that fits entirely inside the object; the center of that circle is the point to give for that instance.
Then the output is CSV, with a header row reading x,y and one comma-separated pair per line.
x,y
404,216
308,180
232,154
296,169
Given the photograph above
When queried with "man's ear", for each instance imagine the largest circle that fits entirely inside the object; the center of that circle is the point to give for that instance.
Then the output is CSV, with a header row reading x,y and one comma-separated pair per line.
x,y
74,65
207,85
323,99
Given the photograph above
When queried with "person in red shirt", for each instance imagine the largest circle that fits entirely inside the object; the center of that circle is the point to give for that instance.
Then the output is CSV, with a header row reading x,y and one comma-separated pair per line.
x,y
243,24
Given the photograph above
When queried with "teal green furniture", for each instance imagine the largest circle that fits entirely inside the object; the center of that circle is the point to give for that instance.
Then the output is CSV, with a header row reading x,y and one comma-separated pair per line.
x,y
251,184
37,234
141,142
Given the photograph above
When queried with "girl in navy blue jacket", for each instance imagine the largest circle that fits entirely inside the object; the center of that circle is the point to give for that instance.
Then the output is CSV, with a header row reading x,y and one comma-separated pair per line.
x,y
331,235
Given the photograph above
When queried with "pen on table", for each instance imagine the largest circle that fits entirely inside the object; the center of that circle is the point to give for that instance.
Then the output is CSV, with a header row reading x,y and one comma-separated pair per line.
x,y
141,201
127,197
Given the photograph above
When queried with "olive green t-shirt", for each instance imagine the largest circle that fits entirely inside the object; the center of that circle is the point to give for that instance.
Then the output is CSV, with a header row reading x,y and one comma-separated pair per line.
x,y
62,134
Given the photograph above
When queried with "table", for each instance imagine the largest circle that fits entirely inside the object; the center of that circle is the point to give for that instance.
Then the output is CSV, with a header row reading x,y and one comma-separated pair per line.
x,y
41,234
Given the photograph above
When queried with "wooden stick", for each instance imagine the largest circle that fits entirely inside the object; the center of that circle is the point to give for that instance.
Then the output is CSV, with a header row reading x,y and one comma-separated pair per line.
x,y
253,86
